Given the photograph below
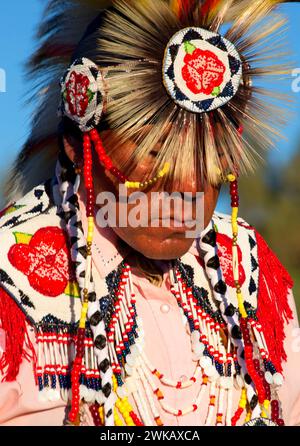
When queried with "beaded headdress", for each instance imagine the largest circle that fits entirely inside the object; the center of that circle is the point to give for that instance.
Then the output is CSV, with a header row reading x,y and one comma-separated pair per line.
x,y
186,70
133,45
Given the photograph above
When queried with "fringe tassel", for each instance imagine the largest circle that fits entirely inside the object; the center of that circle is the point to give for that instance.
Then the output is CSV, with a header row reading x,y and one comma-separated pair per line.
x,y
273,308
56,352
17,341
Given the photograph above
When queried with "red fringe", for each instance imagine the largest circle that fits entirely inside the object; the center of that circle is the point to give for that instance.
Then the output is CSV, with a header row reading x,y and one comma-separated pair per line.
x,y
273,308
17,342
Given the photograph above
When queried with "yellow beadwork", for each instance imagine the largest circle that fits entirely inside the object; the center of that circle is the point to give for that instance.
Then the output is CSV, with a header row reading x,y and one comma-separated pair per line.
x,y
124,407
159,422
219,418
115,383
85,304
142,185
159,394
241,305
231,178
83,315
243,400
101,414
235,230
205,380
265,408
267,404
118,421
248,416
234,216
91,227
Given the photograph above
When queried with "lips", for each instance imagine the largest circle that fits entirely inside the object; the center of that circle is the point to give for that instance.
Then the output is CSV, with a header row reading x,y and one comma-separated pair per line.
x,y
174,223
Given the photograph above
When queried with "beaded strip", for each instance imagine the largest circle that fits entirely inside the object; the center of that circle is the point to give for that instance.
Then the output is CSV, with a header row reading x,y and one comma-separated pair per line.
x,y
71,214
107,163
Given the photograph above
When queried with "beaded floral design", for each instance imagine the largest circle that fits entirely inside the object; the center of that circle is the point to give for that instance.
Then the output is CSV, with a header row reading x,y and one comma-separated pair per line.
x,y
77,93
203,71
82,94
44,259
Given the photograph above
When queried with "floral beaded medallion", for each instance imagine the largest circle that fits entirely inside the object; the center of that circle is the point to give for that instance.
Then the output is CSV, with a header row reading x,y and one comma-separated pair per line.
x,y
82,94
44,259
201,70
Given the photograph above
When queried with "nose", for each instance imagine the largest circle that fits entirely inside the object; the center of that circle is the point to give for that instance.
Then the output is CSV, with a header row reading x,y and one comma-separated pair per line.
x,y
189,185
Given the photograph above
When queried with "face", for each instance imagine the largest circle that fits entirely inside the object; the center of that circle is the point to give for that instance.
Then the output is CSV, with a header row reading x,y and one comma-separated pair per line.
x,y
162,243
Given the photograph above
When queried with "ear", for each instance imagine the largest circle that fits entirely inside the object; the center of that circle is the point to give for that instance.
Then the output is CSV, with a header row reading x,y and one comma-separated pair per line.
x,y
72,148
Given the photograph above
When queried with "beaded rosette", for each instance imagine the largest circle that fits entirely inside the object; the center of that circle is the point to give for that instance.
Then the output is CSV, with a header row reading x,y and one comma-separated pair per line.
x,y
201,70
82,90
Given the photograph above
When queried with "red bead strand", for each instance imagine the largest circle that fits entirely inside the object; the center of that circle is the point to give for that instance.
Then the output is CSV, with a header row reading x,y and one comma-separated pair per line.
x,y
94,409
234,192
88,175
261,393
104,159
75,375
80,347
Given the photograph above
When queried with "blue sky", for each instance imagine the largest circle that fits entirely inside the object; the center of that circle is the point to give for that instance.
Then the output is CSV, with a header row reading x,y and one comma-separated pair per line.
x,y
17,24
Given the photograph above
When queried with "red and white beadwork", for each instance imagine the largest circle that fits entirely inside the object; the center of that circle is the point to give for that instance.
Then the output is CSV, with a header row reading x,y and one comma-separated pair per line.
x,y
201,70
82,91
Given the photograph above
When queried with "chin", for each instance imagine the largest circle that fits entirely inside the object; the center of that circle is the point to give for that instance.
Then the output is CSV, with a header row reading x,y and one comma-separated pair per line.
x,y
169,249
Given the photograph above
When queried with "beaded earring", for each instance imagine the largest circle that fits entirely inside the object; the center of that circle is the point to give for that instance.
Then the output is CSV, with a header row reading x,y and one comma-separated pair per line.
x,y
80,346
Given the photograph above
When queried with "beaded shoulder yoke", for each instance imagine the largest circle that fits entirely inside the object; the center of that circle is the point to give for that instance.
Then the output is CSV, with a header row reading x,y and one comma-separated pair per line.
x,y
38,277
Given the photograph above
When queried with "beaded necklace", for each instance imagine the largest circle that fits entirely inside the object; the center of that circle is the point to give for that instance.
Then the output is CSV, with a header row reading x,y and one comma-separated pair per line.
x,y
135,375
118,341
